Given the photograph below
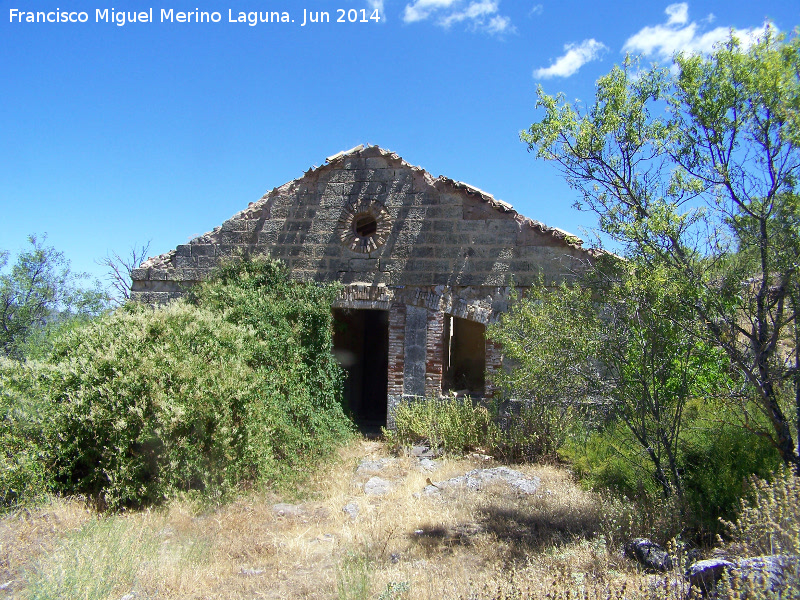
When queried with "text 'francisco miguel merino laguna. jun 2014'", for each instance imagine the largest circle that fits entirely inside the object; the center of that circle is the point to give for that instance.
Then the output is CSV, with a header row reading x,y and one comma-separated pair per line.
x,y
197,16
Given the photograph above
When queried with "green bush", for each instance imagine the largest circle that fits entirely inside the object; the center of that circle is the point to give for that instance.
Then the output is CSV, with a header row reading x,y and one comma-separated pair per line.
x,y
457,425
717,464
24,460
238,386
452,424
717,457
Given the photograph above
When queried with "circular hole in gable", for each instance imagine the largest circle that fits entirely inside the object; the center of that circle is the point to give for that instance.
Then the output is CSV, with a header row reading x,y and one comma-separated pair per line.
x,y
365,225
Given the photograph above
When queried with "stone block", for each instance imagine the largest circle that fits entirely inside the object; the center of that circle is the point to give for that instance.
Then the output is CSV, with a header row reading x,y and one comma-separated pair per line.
x,y
322,238
338,264
238,224
233,237
140,274
470,226
503,227
450,252
292,237
378,162
449,200
353,163
422,252
342,176
376,188
207,262
185,274
279,212
184,261
333,202
302,213
334,190
306,264
444,212
328,214
203,249
363,264
267,239
183,250
303,226
226,250
443,226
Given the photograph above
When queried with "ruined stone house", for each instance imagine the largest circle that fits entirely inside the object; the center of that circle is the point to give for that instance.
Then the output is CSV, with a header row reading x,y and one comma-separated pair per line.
x,y
426,264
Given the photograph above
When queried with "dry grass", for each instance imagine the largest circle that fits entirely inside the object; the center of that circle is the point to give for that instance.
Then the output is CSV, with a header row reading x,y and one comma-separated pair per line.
x,y
401,545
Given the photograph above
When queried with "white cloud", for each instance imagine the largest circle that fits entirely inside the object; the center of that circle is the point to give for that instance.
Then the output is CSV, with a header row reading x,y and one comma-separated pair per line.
x,y
377,5
475,10
680,35
476,14
422,9
678,13
575,56
499,24
536,10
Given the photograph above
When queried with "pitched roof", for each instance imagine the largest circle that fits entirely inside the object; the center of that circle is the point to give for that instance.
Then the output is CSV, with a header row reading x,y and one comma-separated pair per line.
x,y
439,183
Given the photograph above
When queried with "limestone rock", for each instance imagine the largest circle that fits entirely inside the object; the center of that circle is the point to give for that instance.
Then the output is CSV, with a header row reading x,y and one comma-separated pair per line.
x,y
373,466
648,554
704,574
774,571
477,479
377,487
351,509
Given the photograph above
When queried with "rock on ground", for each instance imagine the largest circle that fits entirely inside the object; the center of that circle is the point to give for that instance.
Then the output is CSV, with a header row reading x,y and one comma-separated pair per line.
x,y
477,479
377,486
704,574
648,554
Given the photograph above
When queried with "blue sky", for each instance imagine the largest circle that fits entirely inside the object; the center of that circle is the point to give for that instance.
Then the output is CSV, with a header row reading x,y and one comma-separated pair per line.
x,y
115,135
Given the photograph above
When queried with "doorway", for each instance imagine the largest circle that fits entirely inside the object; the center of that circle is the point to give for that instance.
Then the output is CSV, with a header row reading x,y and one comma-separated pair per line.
x,y
464,357
361,345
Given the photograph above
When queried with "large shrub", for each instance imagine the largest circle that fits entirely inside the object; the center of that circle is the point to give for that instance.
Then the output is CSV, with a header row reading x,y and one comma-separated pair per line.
x,y
24,459
716,459
236,386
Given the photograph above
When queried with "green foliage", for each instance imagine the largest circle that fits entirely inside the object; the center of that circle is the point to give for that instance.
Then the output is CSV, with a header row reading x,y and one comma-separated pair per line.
x,y
38,292
458,425
239,387
619,346
455,425
354,576
395,590
706,192
716,458
25,472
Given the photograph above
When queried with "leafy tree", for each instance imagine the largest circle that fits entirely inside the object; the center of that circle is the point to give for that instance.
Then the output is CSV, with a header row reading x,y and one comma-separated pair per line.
x,y
622,341
40,290
697,174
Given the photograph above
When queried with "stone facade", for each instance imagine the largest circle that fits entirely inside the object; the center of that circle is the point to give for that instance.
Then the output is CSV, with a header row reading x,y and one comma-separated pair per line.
x,y
438,255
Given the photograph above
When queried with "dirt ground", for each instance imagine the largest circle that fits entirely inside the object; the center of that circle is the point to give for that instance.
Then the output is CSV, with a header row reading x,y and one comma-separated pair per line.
x,y
368,525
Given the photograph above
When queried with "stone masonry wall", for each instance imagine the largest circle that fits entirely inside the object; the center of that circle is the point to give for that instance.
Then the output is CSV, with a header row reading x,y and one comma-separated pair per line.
x,y
432,232
399,240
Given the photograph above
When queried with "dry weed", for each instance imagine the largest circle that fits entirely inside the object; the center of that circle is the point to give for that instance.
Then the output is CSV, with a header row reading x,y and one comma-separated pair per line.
x,y
402,545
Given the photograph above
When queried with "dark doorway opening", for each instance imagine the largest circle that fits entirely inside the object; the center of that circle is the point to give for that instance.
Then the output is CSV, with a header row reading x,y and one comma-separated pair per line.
x,y
464,357
361,345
